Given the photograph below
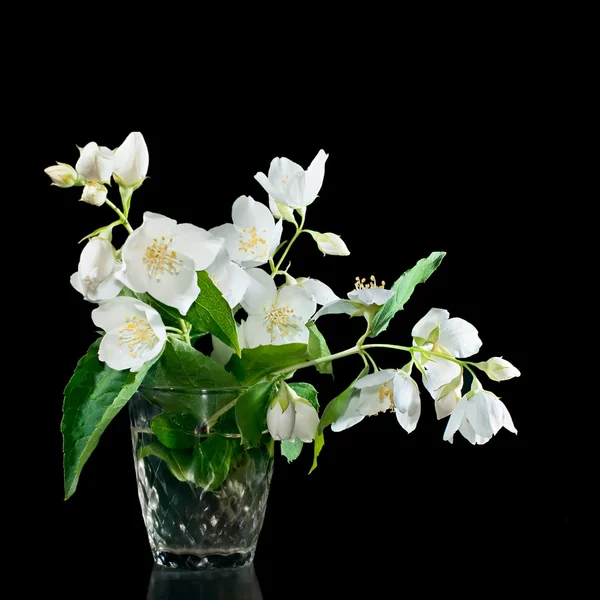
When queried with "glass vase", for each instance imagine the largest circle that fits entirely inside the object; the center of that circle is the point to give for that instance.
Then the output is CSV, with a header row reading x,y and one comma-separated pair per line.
x,y
203,495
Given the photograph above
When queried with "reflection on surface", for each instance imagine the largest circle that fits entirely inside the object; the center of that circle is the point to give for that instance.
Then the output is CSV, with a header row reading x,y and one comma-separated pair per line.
x,y
226,584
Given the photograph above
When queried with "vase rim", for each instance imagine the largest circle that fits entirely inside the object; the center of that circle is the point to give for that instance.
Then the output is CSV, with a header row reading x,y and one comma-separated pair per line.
x,y
195,390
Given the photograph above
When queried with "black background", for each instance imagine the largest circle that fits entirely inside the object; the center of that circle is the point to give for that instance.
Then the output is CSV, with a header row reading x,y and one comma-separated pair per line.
x,y
384,510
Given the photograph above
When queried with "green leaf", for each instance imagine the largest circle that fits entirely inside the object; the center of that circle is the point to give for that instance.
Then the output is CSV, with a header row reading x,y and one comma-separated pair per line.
x,y
210,312
308,392
317,348
404,287
291,450
179,462
212,459
183,366
319,443
176,430
256,363
93,396
189,371
251,412
335,409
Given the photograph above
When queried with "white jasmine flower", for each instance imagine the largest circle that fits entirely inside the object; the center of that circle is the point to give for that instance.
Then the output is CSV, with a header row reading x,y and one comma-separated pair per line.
x,y
363,295
230,278
291,416
131,161
289,184
381,391
275,317
455,337
478,416
499,369
95,163
62,175
134,335
95,276
162,257
253,237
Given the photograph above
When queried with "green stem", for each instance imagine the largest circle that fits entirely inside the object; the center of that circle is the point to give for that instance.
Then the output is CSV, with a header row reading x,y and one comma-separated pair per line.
x,y
287,249
121,216
365,353
185,330
318,361
214,417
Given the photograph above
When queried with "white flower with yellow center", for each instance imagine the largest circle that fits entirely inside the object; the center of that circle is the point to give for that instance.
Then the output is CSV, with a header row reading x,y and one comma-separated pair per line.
x,y
291,417
455,337
363,295
479,415
162,257
230,278
289,184
254,236
95,276
389,389
275,317
134,335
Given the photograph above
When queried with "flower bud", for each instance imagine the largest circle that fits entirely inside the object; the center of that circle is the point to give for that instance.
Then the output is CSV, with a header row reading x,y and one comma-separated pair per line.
x,y
281,211
282,416
499,369
131,161
95,163
94,193
330,243
95,274
62,175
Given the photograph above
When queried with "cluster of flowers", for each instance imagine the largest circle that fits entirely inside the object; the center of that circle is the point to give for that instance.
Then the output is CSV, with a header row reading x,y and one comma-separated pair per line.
x,y
161,258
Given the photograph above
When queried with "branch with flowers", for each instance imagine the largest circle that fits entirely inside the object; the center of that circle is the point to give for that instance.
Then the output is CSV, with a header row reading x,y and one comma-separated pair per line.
x,y
172,283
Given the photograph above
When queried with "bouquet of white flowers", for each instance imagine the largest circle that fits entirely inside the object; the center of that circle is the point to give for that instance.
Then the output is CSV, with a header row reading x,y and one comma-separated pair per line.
x,y
171,283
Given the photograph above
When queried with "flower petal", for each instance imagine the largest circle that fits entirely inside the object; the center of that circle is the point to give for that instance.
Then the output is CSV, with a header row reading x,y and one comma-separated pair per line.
x,y
368,296
435,317
177,289
485,414
459,337
112,315
321,293
306,422
372,401
351,415
197,243
407,421
507,421
440,372
456,418
314,177
338,307
229,277
406,395
375,379
132,159
255,332
157,226
274,237
299,300
116,355
261,292
248,213
107,290
281,423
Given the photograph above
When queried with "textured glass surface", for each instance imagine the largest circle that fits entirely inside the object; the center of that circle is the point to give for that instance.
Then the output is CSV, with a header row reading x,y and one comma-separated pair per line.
x,y
189,527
